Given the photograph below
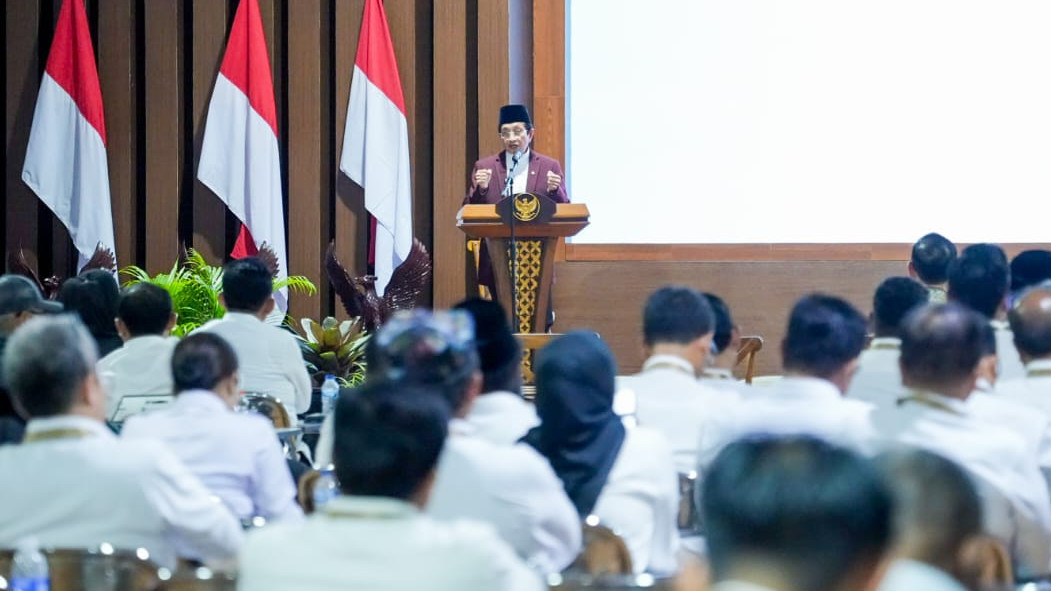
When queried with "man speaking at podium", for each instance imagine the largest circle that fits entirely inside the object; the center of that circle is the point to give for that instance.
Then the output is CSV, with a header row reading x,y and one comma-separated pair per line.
x,y
529,172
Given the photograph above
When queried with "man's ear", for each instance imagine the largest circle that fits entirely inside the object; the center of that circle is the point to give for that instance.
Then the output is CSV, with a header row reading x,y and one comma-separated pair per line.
x,y
172,321
122,329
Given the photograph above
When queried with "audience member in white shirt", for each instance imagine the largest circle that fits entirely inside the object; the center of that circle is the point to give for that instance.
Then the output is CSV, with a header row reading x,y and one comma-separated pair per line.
x,y
726,341
499,414
878,379
937,516
677,326
143,365
979,279
268,356
506,485
931,256
388,438
1030,321
940,353
786,514
824,337
236,455
74,484
624,476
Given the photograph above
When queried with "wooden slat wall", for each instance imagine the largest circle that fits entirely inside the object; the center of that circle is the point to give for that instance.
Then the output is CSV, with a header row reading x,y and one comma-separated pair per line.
x,y
157,65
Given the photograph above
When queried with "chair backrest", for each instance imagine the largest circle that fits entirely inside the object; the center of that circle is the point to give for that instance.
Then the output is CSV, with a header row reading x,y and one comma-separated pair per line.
x,y
305,495
603,552
198,579
266,405
746,354
104,569
689,519
986,564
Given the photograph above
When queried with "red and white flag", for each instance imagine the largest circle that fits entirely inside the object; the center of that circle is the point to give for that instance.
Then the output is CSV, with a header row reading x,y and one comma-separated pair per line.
x,y
376,143
66,163
240,161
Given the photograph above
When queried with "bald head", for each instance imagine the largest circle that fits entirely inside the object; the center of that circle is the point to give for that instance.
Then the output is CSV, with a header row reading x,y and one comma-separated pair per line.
x,y
1030,320
941,346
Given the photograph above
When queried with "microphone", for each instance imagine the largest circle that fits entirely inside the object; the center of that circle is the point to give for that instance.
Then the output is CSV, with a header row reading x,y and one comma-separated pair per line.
x,y
511,173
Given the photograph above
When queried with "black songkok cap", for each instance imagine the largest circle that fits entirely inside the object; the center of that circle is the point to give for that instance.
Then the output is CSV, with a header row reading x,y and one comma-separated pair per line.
x,y
514,114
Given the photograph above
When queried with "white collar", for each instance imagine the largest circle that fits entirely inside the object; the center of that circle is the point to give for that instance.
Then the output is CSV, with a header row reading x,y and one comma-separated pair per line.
x,y
145,341
461,427
805,387
1038,365
737,585
717,373
1000,325
495,402
68,422
887,343
201,399
363,507
509,158
242,317
673,362
939,402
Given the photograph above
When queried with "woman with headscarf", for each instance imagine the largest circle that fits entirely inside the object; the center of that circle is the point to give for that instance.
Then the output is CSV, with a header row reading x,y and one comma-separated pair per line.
x,y
622,475
94,296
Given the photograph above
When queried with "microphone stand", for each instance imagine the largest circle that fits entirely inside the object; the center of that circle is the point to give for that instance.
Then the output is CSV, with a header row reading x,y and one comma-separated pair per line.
x,y
508,184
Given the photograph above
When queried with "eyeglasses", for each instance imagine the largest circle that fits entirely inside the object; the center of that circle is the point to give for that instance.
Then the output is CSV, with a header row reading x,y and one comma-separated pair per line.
x,y
510,133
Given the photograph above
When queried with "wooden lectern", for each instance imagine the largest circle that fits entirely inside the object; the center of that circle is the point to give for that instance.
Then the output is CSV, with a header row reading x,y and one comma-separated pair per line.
x,y
536,226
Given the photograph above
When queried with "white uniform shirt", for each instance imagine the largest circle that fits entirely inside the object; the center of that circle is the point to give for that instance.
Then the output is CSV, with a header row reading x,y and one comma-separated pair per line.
x,y
910,575
512,488
236,455
1033,427
640,501
268,358
1006,353
520,183
381,545
1032,390
670,400
501,417
1005,469
878,379
80,486
142,366
722,379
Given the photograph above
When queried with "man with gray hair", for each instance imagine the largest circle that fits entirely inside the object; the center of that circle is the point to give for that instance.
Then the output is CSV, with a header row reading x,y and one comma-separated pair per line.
x,y
78,485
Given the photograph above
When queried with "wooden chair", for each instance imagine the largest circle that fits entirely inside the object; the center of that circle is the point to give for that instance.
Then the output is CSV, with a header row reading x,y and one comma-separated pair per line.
x,y
268,406
104,569
531,343
603,553
985,564
746,353
305,495
199,579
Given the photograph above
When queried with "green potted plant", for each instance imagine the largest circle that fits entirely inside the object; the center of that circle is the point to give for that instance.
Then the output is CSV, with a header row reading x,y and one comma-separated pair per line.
x,y
334,347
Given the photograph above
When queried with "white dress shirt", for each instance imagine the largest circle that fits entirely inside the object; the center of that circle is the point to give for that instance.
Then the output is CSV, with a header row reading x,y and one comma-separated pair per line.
x,y
380,544
142,366
520,183
236,455
501,417
268,358
1003,466
1033,389
1033,427
1006,353
512,488
79,485
640,501
670,400
878,379
722,379
910,575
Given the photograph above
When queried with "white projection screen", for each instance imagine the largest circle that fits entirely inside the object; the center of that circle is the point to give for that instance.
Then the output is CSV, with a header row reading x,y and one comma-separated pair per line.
x,y
810,121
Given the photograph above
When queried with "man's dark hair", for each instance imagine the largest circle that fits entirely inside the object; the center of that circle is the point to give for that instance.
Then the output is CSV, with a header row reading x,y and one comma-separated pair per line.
x,y
979,278
812,511
387,439
145,309
931,257
724,322
894,299
45,363
499,352
1031,324
941,344
676,314
94,296
1029,268
433,351
202,360
247,285
936,505
824,334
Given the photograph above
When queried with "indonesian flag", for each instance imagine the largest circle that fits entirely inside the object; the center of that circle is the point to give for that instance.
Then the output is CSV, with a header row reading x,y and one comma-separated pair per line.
x,y
376,143
66,164
240,162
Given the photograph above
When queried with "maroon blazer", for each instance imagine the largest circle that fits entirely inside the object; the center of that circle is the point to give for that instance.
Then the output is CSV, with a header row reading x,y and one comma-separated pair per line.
x,y
539,166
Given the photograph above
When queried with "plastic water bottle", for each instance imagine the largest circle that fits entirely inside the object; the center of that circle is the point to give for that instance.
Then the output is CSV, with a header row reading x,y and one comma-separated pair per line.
x,y
29,568
325,489
329,394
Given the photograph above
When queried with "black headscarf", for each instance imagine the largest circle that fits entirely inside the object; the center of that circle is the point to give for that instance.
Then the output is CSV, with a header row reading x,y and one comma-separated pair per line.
x,y
579,433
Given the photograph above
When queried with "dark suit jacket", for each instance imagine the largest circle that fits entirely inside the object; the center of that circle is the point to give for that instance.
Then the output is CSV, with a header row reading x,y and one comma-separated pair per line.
x,y
539,166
